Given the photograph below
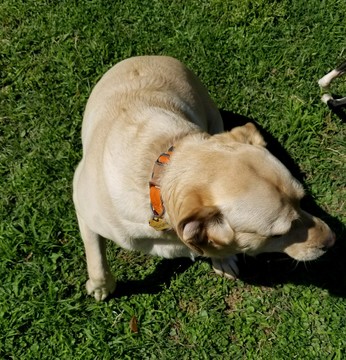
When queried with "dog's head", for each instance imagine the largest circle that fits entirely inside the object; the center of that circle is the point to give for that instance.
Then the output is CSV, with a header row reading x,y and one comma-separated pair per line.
x,y
230,195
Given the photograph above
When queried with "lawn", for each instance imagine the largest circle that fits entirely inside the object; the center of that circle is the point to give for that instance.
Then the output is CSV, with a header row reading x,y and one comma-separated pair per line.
x,y
260,60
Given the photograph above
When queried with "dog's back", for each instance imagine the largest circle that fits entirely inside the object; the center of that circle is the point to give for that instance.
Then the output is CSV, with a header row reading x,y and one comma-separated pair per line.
x,y
138,109
127,93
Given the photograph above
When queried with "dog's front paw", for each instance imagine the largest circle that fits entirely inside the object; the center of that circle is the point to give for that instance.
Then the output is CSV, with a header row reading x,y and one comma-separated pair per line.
x,y
226,267
101,289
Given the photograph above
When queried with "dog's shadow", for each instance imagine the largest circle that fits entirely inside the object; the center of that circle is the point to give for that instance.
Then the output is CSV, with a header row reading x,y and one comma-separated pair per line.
x,y
153,283
328,272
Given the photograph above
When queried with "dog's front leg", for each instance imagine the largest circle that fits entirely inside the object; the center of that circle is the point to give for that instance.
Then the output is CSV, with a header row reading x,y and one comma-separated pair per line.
x,y
101,282
325,81
329,100
226,266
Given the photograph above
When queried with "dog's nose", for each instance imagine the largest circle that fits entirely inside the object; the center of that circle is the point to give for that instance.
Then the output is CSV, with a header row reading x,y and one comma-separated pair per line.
x,y
329,242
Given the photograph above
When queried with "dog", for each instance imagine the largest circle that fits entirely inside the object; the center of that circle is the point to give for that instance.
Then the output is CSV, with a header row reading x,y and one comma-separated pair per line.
x,y
159,175
325,81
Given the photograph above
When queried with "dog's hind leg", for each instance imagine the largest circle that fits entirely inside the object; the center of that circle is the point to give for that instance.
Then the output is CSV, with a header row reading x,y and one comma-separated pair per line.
x,y
325,81
101,282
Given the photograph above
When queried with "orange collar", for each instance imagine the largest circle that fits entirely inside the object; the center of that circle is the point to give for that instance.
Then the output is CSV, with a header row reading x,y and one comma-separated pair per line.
x,y
156,204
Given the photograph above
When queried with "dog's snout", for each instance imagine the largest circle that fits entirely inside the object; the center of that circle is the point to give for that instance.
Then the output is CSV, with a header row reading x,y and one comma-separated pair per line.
x,y
329,242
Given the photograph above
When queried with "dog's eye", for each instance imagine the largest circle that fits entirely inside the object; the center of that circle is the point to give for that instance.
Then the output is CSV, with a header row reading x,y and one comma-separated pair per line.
x,y
276,236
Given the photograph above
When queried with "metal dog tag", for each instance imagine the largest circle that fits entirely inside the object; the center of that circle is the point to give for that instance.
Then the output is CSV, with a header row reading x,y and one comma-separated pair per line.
x,y
159,224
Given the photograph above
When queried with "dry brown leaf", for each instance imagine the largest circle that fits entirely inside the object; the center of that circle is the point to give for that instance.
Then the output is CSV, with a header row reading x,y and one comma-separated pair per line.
x,y
133,325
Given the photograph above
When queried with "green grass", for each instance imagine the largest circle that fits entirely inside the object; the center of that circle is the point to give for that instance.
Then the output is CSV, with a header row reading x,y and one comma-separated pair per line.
x,y
259,59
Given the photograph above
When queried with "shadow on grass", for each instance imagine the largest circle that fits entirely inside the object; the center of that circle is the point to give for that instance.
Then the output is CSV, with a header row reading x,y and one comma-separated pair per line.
x,y
153,283
328,272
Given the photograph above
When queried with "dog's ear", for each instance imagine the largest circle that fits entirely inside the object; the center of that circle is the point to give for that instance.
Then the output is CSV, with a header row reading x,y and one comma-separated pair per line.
x,y
246,134
205,229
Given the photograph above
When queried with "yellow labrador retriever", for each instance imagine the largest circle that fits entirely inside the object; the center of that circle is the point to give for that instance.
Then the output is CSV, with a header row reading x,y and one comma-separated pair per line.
x,y
159,175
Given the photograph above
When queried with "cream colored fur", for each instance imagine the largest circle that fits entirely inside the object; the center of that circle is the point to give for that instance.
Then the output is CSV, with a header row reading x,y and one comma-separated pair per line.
x,y
224,194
